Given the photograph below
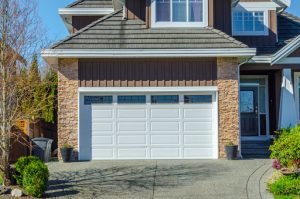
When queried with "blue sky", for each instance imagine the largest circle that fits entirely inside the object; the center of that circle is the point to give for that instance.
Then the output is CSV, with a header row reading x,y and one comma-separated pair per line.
x,y
48,10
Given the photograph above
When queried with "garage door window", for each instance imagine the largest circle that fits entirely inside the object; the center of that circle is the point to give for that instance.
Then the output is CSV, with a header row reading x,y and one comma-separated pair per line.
x,y
134,99
88,100
164,99
197,99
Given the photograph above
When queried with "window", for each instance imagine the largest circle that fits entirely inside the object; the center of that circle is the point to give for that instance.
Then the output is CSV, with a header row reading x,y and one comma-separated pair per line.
x,y
177,13
135,99
246,22
88,100
164,99
197,99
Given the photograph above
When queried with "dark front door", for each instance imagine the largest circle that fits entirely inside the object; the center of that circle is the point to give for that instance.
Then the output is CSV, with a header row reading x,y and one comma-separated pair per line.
x,y
249,111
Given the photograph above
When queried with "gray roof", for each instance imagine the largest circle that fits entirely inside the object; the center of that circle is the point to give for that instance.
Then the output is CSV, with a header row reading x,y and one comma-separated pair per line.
x,y
91,4
288,29
112,32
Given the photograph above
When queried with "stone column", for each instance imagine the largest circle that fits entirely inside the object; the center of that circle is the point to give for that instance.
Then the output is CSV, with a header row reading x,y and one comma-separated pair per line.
x,y
228,97
68,103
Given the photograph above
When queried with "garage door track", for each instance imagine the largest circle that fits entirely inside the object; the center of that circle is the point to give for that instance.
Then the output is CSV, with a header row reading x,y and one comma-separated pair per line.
x,y
205,179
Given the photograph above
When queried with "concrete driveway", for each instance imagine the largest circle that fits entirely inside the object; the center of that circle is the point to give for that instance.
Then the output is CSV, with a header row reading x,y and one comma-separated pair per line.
x,y
203,179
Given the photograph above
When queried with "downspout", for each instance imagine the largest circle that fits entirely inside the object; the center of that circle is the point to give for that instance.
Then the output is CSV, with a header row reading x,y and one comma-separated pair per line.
x,y
239,84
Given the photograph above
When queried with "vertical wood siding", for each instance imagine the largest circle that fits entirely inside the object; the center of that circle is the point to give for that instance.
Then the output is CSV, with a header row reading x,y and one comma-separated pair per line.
x,y
79,22
146,73
136,9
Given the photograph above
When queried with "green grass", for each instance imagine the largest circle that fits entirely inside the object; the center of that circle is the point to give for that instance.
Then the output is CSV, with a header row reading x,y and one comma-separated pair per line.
x,y
286,197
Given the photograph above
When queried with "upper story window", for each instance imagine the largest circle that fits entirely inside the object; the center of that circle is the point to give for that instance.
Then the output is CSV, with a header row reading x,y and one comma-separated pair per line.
x,y
249,22
179,13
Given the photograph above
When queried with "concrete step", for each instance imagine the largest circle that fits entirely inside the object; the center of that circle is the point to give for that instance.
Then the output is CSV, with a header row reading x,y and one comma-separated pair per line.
x,y
248,156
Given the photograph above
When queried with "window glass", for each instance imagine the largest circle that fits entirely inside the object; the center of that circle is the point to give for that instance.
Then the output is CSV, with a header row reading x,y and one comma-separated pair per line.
x,y
248,21
134,99
262,99
259,21
164,99
247,101
163,10
88,100
195,10
238,21
193,99
179,10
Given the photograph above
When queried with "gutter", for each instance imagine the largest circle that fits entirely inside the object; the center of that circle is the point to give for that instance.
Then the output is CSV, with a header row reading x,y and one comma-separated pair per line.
x,y
146,53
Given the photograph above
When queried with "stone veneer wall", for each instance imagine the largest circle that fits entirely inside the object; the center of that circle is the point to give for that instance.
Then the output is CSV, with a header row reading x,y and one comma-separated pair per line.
x,y
227,72
68,103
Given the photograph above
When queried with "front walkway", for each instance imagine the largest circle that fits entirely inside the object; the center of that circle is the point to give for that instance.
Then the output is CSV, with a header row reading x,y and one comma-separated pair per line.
x,y
205,179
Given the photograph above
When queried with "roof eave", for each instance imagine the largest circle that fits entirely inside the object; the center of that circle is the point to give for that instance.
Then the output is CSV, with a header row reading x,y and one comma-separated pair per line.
x,y
49,54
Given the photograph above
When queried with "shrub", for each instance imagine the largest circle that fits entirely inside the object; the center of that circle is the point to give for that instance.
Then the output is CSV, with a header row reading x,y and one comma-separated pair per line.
x,y
21,165
286,185
286,148
35,178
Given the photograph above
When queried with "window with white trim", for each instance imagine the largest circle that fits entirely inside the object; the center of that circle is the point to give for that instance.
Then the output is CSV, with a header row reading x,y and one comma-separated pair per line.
x,y
245,22
179,13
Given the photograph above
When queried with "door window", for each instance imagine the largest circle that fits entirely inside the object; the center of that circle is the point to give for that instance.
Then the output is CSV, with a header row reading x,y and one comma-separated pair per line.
x,y
247,101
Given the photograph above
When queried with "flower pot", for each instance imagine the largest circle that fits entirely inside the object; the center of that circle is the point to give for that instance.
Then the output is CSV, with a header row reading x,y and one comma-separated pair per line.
x,y
231,152
66,154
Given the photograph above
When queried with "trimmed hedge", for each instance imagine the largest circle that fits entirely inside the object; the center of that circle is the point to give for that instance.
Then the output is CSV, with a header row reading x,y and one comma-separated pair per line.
x,y
20,166
286,185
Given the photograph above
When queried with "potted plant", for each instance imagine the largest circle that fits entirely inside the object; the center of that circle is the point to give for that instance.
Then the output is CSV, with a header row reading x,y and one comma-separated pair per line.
x,y
231,151
66,152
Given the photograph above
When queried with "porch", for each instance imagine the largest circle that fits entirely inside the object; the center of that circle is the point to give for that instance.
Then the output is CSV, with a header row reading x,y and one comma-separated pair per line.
x,y
262,106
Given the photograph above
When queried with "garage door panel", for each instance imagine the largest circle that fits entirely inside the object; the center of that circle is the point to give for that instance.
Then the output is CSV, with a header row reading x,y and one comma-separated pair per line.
x,y
132,113
198,152
102,126
165,152
197,126
165,126
197,113
132,153
164,113
132,140
131,126
106,113
165,139
102,140
102,153
197,139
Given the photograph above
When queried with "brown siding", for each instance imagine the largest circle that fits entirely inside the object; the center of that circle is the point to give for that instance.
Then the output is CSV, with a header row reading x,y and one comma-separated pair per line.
x,y
271,39
222,15
80,22
136,9
145,73
296,53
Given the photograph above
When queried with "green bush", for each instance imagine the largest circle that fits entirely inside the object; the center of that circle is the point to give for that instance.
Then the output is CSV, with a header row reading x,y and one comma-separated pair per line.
x,y
21,164
287,147
35,178
286,185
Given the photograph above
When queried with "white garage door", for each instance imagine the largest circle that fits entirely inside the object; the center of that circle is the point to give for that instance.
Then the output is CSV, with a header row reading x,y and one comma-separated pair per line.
x,y
177,126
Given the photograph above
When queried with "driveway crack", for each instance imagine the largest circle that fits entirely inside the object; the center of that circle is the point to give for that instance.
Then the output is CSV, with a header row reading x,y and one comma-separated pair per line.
x,y
154,180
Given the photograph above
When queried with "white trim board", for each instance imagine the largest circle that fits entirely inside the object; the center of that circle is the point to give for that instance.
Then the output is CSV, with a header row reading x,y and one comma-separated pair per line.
x,y
85,11
147,89
47,54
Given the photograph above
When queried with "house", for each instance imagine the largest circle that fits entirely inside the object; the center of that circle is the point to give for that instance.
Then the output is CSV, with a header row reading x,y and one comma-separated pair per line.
x,y
175,79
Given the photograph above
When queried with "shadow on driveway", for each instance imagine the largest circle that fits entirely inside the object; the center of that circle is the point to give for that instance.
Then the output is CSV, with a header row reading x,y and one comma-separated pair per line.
x,y
119,181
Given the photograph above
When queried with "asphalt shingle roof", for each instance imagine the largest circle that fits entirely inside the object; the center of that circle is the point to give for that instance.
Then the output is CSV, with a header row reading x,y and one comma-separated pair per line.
x,y
91,4
288,29
112,32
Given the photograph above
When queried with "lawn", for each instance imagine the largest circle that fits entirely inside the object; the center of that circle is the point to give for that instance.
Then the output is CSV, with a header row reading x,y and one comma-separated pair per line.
x,y
286,197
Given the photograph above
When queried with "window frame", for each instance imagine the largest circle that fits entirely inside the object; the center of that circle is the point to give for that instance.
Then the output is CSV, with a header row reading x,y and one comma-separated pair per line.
x,y
155,24
239,8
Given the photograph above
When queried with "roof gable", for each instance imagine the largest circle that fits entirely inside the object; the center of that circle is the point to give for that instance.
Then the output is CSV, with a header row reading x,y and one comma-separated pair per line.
x,y
91,4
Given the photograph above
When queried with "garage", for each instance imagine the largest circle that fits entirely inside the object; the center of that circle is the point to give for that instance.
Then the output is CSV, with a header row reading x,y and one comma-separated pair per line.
x,y
124,125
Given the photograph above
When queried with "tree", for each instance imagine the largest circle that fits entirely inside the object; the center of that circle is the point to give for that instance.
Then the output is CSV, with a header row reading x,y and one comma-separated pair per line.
x,y
21,35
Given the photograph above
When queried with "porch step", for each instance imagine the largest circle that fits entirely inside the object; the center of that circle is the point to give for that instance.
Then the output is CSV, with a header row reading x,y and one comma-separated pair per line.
x,y
256,148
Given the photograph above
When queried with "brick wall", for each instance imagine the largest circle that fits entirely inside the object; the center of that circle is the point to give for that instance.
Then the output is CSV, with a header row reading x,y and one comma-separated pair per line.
x,y
227,72
68,102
